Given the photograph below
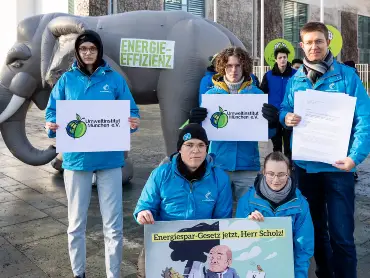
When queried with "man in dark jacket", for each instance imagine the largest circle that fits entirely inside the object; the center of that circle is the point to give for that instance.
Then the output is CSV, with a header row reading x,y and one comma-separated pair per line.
x,y
274,83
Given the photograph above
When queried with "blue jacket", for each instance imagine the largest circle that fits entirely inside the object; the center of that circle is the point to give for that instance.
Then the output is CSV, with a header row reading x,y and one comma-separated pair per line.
x,y
338,79
298,209
274,84
206,83
75,85
234,155
169,196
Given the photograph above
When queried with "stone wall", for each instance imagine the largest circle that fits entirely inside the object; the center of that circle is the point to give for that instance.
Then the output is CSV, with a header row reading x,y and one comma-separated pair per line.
x,y
135,5
237,16
82,7
331,15
100,7
273,22
91,7
349,26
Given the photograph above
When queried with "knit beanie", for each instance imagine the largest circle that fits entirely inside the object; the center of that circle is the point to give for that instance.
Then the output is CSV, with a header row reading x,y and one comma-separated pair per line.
x,y
192,131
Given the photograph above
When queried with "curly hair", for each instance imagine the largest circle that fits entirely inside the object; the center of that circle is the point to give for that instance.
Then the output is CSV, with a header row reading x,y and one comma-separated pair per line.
x,y
243,56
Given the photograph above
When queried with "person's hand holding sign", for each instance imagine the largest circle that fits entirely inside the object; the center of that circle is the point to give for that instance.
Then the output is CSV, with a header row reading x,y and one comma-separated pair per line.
x,y
256,216
198,115
52,126
346,164
271,114
134,122
292,119
145,217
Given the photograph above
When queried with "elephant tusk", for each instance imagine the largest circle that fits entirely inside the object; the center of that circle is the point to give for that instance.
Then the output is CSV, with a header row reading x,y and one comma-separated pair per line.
x,y
13,106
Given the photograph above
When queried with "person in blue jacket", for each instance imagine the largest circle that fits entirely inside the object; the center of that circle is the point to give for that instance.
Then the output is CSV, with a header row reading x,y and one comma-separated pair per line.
x,y
206,83
274,83
91,78
240,160
275,195
187,187
328,188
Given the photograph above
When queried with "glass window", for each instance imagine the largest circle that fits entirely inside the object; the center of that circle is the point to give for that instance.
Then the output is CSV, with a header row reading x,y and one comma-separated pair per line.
x,y
364,39
71,6
295,16
196,7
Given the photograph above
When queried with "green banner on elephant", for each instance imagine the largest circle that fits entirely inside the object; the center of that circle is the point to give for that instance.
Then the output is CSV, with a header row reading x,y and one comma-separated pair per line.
x,y
142,53
272,45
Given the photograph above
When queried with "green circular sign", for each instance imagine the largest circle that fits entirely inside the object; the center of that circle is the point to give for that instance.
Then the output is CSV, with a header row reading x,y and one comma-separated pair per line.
x,y
272,45
336,40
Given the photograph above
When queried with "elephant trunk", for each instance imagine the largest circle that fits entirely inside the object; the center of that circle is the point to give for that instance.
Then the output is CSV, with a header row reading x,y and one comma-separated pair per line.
x,y
13,132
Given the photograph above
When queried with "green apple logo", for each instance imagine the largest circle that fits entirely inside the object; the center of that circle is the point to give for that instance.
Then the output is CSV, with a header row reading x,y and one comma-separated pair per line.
x,y
219,119
76,128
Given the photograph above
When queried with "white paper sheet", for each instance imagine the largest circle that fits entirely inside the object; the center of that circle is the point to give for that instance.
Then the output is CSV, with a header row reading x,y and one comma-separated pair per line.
x,y
102,125
324,132
241,113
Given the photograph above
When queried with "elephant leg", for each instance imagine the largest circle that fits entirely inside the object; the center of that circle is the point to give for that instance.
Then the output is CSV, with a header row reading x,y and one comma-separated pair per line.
x,y
127,170
56,163
178,88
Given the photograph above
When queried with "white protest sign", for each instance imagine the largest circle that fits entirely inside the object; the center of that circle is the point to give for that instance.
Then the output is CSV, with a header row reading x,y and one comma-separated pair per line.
x,y
92,125
235,117
142,53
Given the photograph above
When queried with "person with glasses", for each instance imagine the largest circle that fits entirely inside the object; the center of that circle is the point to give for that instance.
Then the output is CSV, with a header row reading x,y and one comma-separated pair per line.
x,y
329,188
91,78
240,159
188,187
275,195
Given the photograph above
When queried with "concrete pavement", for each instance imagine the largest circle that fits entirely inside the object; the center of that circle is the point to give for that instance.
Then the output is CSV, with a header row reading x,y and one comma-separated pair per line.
x,y
33,212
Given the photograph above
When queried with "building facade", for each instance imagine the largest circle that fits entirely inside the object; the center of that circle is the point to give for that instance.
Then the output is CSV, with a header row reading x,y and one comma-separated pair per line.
x,y
14,11
283,19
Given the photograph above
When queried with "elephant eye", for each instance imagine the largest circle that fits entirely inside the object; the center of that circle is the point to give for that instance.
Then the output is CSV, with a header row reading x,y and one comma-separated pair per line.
x,y
17,64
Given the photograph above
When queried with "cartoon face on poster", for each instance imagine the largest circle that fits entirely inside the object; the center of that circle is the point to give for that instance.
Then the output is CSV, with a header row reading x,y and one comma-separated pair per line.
x,y
235,248
274,44
336,40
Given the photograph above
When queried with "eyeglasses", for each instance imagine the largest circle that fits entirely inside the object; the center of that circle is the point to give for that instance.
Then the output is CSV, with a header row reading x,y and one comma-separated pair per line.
x,y
280,176
317,42
190,147
84,49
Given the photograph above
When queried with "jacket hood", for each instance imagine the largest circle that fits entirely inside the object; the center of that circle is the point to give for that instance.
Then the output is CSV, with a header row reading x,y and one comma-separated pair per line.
x,y
93,37
218,81
211,69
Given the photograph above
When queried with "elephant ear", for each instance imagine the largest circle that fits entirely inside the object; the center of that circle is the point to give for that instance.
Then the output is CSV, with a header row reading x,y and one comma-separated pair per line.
x,y
57,39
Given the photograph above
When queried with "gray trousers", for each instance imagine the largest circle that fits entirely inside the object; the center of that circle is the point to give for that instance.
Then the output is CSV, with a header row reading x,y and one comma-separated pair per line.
x,y
241,181
78,188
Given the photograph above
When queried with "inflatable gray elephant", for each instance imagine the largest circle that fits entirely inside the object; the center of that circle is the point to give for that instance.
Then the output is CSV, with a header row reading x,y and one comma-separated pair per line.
x,y
44,51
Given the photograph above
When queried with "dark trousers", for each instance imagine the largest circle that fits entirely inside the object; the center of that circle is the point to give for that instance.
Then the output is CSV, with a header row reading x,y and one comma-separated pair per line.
x,y
331,197
282,138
